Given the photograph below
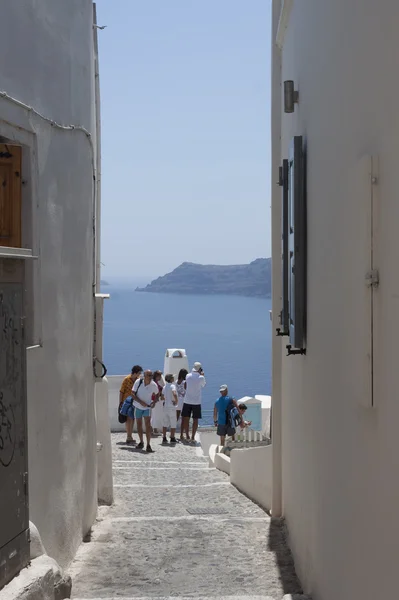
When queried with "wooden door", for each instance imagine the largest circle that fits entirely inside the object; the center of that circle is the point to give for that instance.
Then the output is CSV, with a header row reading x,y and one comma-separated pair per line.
x,y
10,195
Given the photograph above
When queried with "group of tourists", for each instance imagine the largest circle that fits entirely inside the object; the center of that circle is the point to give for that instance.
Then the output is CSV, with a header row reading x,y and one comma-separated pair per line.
x,y
158,402
161,402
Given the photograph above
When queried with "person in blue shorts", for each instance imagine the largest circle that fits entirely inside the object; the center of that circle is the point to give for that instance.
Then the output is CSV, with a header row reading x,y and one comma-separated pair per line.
x,y
144,394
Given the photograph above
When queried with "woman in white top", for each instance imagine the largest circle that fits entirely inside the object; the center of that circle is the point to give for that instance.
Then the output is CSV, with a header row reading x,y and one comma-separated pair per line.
x,y
157,411
181,392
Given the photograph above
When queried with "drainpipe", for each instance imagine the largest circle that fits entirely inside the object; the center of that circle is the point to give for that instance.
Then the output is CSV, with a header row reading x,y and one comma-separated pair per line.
x,y
98,366
97,231
277,503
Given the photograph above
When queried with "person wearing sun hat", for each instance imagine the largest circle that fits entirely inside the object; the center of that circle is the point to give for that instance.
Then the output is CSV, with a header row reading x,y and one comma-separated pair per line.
x,y
194,383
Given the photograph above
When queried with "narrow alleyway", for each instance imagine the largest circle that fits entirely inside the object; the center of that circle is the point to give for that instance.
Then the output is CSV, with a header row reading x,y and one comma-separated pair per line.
x,y
179,529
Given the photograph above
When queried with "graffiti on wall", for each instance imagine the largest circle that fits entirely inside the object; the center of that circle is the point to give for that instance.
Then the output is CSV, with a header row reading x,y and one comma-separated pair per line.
x,y
10,373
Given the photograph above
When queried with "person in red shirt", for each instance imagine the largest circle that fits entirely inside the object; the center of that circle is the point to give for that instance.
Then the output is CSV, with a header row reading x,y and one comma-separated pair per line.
x,y
125,392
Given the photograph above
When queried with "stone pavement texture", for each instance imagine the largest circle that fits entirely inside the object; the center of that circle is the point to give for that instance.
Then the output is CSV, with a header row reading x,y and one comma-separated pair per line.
x,y
159,541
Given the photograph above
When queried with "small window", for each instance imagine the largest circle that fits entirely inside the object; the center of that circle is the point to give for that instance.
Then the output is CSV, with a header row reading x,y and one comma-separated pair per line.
x,y
297,244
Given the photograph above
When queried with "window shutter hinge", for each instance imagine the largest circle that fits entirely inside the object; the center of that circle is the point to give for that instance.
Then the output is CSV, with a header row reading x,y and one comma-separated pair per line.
x,y
280,177
372,278
25,483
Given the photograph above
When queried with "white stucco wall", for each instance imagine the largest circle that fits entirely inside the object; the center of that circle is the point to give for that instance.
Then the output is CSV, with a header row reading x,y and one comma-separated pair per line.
x,y
251,473
47,48
339,457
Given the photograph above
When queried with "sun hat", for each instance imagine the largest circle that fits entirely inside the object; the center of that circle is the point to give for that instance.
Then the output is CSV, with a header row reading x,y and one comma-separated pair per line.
x,y
223,388
197,366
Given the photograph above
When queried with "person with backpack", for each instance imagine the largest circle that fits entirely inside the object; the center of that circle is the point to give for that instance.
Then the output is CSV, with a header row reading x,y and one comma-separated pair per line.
x,y
125,394
227,414
234,417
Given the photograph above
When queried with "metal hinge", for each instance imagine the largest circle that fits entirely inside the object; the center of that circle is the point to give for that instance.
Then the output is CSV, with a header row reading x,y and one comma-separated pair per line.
x,y
280,177
25,481
372,278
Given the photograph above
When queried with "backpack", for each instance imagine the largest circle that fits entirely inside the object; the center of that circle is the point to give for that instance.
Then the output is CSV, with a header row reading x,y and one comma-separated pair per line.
x,y
121,417
233,417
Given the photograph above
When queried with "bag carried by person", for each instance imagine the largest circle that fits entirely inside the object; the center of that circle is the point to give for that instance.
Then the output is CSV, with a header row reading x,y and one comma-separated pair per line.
x,y
233,417
121,418
123,408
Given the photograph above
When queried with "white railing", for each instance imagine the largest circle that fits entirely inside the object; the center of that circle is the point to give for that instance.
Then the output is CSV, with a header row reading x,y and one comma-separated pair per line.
x,y
248,435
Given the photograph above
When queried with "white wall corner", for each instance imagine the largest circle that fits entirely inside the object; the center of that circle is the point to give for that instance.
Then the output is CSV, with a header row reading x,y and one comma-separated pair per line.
x,y
286,8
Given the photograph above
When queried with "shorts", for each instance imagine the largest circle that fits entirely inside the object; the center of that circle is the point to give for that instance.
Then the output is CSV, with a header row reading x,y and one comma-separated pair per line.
x,y
224,430
170,418
127,408
142,413
192,410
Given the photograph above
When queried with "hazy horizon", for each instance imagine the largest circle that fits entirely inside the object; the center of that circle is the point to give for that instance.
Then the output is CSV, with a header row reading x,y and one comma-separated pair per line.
x,y
185,107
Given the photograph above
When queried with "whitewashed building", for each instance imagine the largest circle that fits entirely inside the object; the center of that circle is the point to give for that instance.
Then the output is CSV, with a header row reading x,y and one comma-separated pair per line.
x,y
335,220
50,347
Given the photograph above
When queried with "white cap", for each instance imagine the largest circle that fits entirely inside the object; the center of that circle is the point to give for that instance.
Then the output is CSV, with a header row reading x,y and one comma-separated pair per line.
x,y
223,388
197,366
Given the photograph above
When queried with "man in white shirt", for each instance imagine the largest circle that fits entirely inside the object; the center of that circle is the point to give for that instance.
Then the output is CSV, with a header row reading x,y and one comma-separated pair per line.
x,y
144,393
194,383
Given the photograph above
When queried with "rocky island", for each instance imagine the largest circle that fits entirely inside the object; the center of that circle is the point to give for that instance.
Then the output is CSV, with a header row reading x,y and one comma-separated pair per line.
x,y
253,279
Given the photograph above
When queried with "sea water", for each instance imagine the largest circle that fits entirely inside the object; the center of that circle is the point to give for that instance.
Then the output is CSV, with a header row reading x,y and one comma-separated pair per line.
x,y
229,335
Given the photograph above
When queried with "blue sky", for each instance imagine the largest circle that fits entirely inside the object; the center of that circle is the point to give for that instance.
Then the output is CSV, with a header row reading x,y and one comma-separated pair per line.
x,y
185,88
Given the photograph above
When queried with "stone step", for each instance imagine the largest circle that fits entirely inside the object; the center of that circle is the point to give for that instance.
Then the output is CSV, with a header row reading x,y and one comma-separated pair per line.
x,y
192,598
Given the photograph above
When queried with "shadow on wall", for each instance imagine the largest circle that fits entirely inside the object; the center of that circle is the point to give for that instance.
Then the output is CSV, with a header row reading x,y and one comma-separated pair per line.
x,y
277,543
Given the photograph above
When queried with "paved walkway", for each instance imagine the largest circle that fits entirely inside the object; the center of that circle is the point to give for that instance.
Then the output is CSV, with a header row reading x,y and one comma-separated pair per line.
x,y
160,540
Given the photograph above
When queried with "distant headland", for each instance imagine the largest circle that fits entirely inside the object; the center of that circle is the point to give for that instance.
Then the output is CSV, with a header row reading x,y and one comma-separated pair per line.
x,y
253,279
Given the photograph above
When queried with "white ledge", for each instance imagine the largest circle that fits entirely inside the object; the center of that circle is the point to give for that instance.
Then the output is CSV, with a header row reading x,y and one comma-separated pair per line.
x,y
20,253
103,296
286,8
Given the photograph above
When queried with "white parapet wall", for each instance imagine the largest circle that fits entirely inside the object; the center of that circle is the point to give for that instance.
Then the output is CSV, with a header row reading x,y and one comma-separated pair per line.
x,y
222,462
104,453
266,403
114,385
207,440
251,473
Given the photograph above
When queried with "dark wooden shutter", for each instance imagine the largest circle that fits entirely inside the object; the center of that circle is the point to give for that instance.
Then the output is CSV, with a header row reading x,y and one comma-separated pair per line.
x,y
285,249
10,195
297,243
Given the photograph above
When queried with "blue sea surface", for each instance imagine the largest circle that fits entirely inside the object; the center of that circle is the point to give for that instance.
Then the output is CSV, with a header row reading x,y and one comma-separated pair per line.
x,y
229,335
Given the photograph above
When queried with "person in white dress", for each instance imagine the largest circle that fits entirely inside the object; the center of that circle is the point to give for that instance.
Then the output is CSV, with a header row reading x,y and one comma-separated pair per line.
x,y
169,413
157,411
181,392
